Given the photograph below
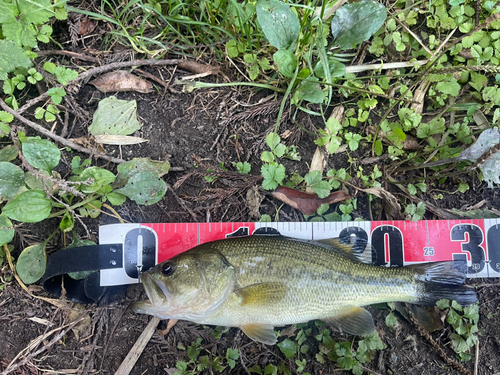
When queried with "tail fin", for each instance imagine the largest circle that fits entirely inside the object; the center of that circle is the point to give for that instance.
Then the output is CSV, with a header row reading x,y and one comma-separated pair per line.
x,y
444,280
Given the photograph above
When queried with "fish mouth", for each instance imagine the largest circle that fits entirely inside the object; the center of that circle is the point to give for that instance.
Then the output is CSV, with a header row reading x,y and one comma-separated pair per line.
x,y
156,291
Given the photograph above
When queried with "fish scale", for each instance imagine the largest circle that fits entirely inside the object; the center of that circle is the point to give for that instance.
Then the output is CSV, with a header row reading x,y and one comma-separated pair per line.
x,y
259,282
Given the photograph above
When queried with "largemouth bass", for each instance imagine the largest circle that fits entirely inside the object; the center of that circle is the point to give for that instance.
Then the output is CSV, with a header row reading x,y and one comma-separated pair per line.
x,y
259,282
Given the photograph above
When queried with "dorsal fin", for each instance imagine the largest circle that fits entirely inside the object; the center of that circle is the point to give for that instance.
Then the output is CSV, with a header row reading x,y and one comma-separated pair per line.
x,y
358,249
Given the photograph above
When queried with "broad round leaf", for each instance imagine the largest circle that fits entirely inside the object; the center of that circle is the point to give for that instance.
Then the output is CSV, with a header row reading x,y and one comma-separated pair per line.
x,y
137,165
8,153
100,176
116,199
6,230
41,153
11,57
31,263
354,23
115,117
144,188
287,62
311,92
31,206
11,179
279,23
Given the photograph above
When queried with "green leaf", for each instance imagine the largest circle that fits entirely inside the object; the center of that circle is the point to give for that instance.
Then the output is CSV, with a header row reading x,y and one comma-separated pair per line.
x,y
379,147
232,49
273,140
144,188
288,348
181,366
137,165
67,223
31,263
8,153
450,87
100,176
64,75
30,206
20,32
280,149
116,199
280,25
56,93
60,14
41,153
255,369
463,187
311,92
11,179
267,157
11,57
6,230
322,189
273,175
34,182
270,369
443,304
35,11
115,117
354,23
313,177
243,168
391,320
49,67
287,62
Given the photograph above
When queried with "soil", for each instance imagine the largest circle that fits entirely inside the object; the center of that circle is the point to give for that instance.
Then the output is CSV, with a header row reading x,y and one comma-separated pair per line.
x,y
204,132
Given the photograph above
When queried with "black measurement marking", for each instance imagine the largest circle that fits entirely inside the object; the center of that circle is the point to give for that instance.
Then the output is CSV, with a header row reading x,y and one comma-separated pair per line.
x,y
476,237
395,243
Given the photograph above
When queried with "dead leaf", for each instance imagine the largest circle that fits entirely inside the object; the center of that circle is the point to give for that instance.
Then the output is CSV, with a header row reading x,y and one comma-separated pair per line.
x,y
288,332
305,202
119,140
82,327
254,199
171,323
419,96
90,143
391,200
198,68
121,80
86,27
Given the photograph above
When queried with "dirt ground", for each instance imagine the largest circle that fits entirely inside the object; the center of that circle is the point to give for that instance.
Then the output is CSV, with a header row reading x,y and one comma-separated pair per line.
x,y
208,129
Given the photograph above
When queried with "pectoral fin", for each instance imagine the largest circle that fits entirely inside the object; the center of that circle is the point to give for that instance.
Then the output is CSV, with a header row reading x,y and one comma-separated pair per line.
x,y
261,333
356,321
261,294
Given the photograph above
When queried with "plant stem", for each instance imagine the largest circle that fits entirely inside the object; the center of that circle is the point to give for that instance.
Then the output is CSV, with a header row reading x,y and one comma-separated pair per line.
x,y
79,204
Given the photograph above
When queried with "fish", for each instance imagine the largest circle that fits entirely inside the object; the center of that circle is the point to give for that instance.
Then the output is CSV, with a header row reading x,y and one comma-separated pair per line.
x,y
261,282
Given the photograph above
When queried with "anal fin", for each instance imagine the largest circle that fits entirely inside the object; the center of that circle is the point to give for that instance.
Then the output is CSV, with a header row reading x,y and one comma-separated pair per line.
x,y
356,321
260,332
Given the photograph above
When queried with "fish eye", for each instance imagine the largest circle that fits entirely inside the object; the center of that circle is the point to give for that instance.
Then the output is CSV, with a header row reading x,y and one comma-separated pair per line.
x,y
167,269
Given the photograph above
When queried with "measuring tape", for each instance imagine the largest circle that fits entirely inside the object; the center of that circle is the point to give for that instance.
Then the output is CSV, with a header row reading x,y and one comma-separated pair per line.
x,y
126,249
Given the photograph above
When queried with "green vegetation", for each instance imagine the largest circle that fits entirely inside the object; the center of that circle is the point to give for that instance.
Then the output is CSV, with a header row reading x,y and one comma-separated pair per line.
x,y
464,322
304,53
